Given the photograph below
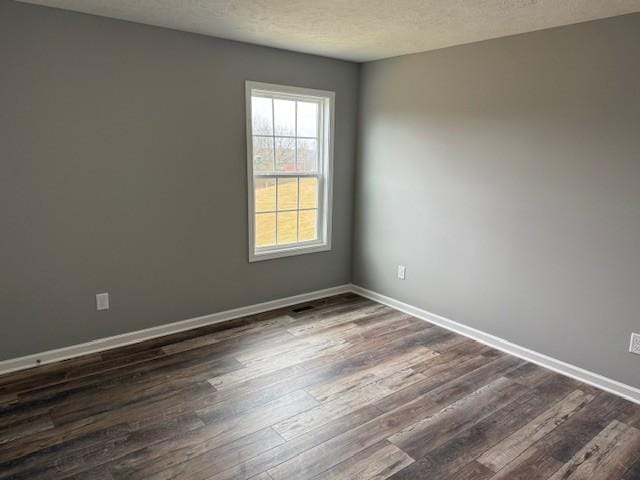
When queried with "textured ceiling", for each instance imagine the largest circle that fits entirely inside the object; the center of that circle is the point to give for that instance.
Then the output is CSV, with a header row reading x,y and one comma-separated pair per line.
x,y
359,30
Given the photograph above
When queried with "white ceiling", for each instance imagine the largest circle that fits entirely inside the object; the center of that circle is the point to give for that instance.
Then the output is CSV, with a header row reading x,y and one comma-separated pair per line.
x,y
359,30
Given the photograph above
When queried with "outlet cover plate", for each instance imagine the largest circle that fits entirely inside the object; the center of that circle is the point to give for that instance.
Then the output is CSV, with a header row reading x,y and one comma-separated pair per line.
x,y
402,272
102,301
634,346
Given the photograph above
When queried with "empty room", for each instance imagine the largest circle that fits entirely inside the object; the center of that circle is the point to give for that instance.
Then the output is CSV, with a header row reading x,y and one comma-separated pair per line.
x,y
319,240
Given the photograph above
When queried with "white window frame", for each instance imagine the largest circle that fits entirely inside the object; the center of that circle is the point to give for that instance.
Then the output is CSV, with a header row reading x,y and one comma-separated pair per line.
x,y
325,166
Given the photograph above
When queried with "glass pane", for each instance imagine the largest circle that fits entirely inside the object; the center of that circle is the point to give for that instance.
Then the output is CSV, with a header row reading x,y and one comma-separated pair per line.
x,y
261,116
285,154
285,117
265,194
308,192
307,155
307,119
308,225
287,227
263,154
265,229
287,193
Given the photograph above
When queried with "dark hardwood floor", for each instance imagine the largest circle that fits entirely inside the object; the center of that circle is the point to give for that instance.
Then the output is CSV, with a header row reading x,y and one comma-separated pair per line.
x,y
340,388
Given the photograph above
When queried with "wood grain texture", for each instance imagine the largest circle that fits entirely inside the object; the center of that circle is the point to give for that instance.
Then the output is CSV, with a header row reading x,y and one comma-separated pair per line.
x,y
379,461
338,388
608,455
532,464
511,447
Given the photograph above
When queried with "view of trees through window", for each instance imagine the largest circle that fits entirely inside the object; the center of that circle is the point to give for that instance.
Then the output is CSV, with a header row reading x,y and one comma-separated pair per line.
x,y
286,169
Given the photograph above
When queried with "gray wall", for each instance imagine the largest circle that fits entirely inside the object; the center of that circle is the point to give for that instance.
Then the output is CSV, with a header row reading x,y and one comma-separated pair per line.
x,y
506,176
123,169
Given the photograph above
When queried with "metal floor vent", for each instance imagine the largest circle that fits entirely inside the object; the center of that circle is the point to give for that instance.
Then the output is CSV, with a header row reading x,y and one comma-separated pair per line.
x,y
302,309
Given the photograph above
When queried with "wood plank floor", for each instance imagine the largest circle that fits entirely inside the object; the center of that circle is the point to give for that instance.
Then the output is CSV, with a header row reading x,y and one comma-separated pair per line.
x,y
339,388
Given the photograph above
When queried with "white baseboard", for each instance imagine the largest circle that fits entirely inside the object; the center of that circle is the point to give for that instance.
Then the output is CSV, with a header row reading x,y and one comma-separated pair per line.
x,y
607,384
612,386
108,343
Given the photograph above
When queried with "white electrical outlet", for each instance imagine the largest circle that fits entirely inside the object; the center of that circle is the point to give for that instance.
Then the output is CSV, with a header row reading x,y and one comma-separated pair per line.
x,y
102,301
634,346
402,271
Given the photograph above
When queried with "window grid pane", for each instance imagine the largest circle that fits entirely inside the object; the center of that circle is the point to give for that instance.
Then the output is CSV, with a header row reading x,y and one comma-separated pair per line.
x,y
285,151
262,118
307,225
307,119
265,194
287,227
265,229
287,193
308,192
263,154
284,112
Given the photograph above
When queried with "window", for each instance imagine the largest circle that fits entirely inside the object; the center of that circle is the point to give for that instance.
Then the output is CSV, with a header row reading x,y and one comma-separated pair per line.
x,y
289,156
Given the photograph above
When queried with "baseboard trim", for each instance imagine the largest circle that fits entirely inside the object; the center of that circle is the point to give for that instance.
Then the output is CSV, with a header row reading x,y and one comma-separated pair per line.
x,y
607,384
108,343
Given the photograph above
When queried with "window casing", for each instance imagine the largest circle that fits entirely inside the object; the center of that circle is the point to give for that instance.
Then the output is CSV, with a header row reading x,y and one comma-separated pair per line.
x,y
289,163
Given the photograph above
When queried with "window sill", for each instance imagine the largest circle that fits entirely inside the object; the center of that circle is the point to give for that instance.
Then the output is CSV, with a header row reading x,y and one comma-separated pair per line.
x,y
288,252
